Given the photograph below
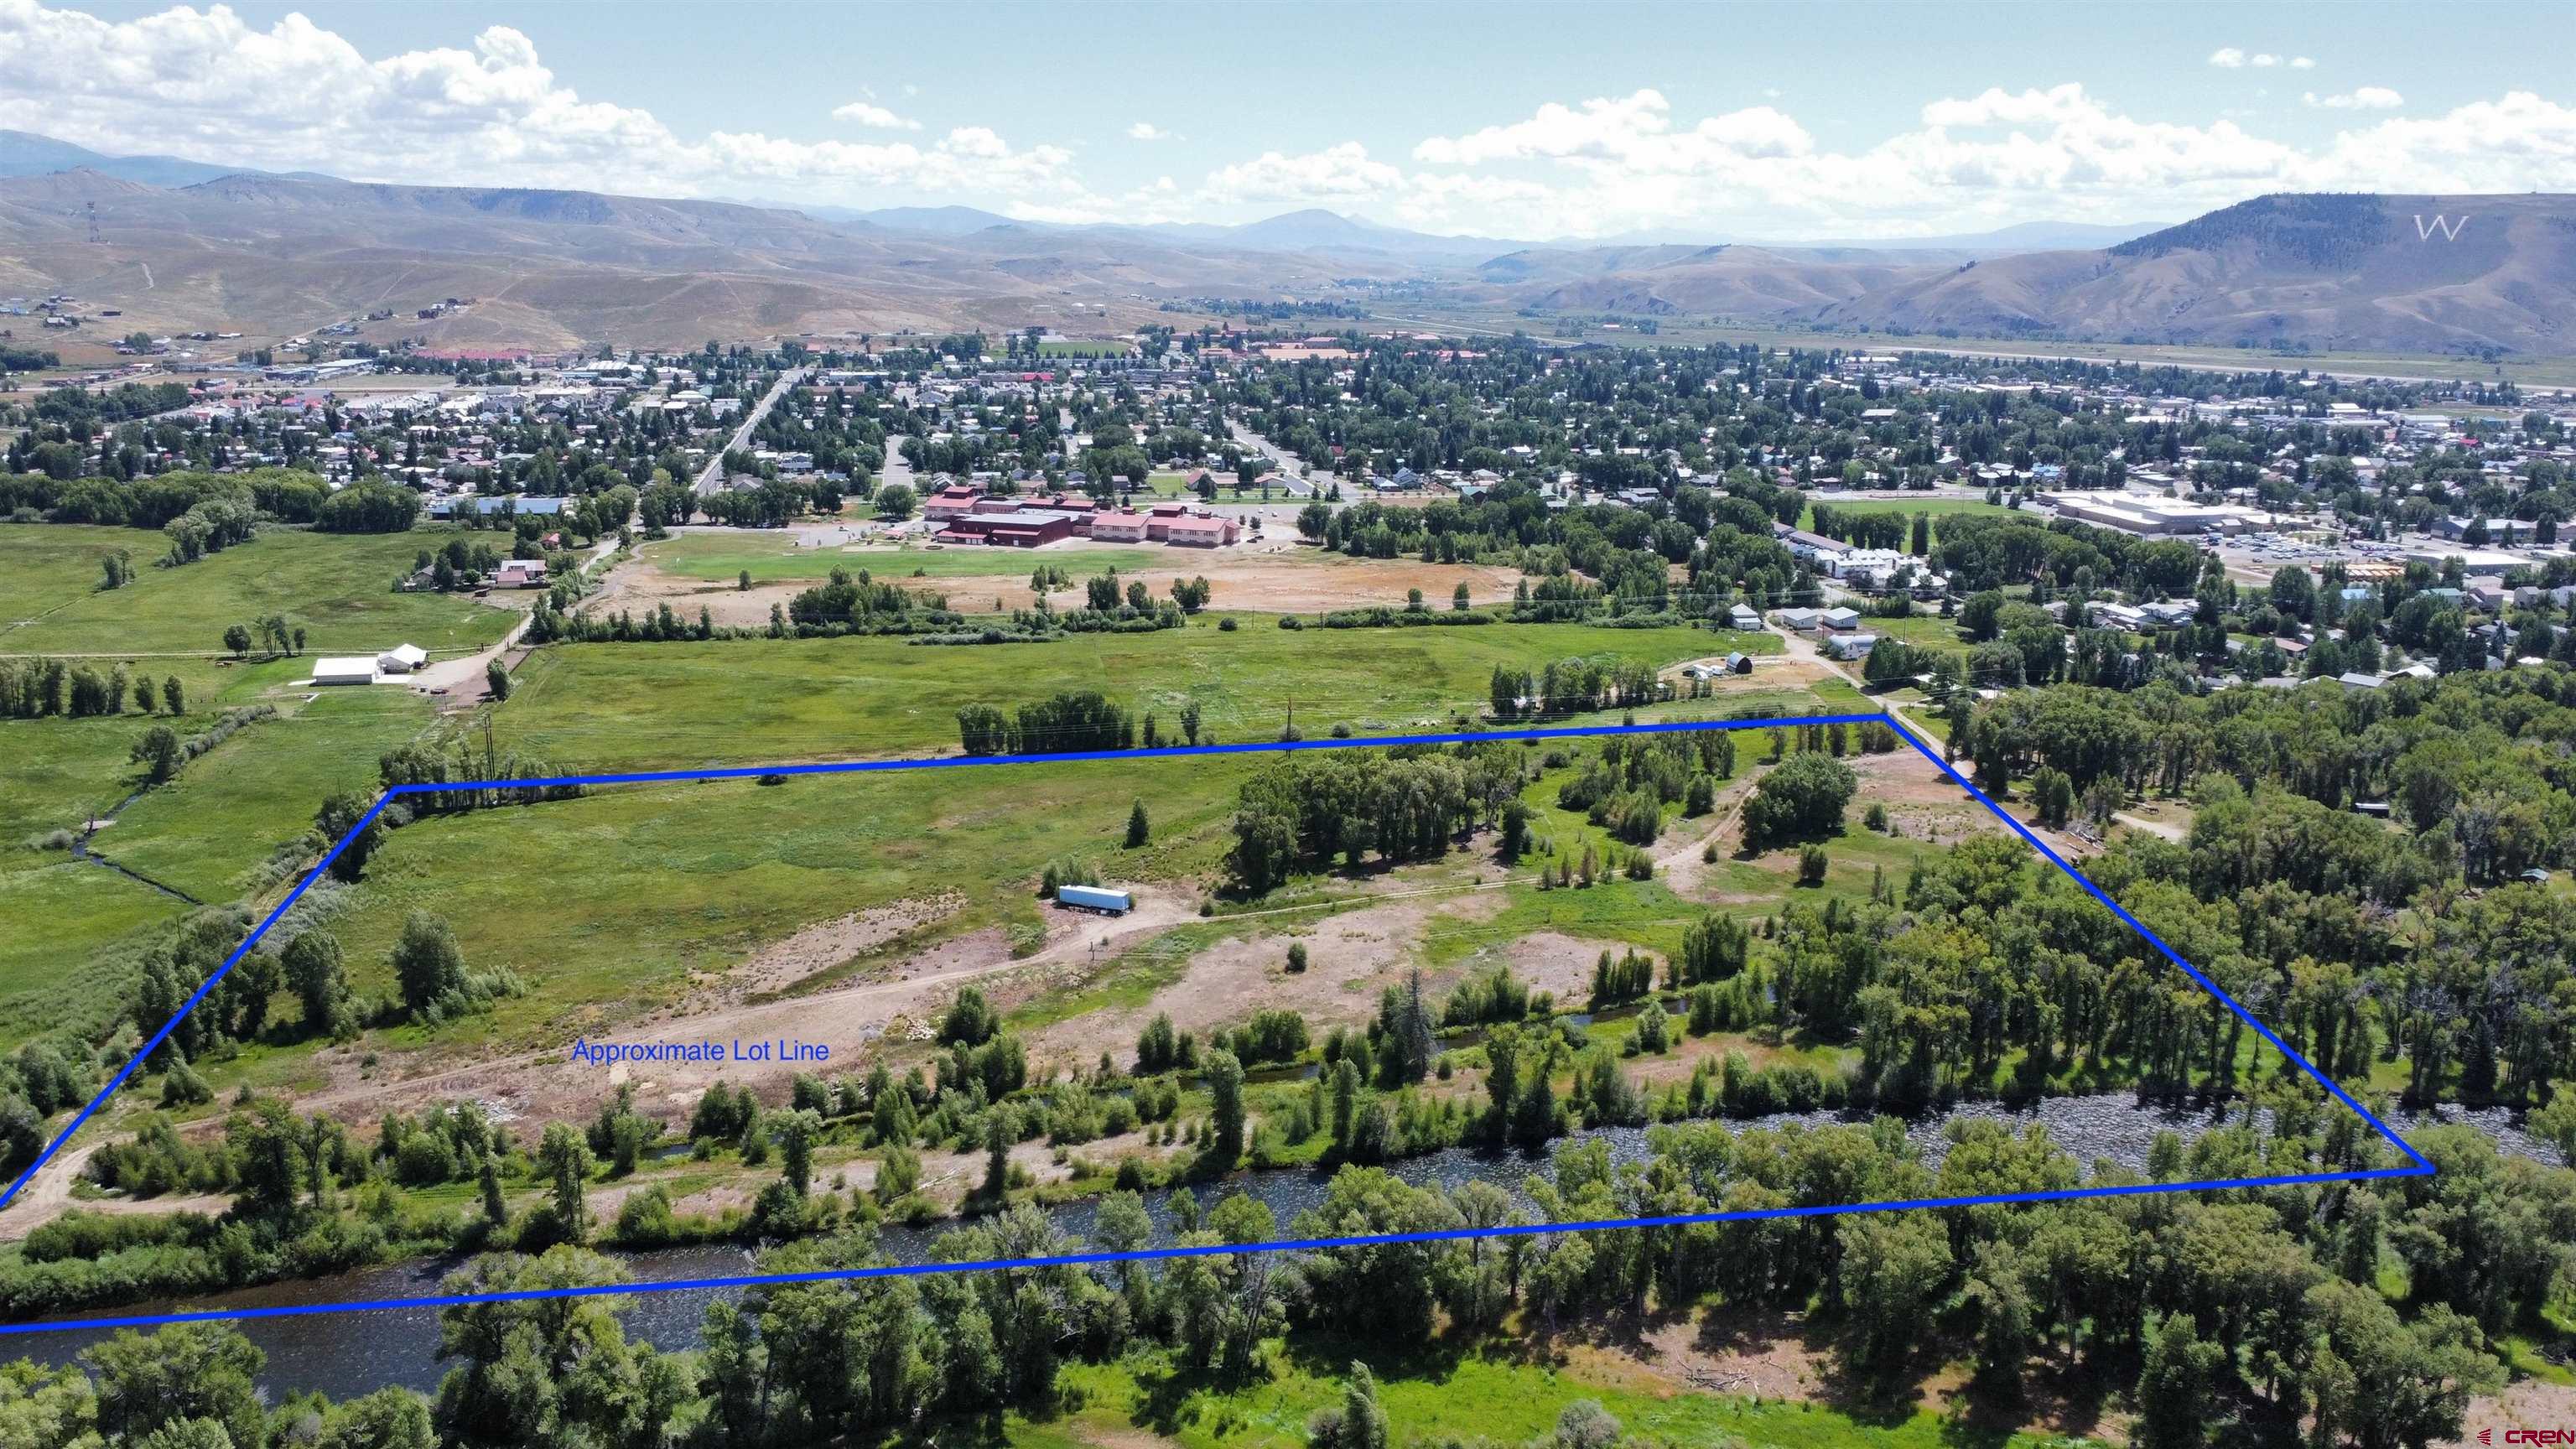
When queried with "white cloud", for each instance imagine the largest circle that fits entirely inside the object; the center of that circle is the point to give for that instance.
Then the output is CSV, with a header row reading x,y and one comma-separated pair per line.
x,y
1148,131
868,113
1601,128
2000,107
2360,98
981,142
2229,57
1621,163
1336,175
1624,163
295,96
2519,142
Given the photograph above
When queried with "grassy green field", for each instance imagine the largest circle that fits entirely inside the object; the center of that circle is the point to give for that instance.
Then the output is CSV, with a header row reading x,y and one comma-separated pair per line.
x,y
599,707
1926,631
707,873
228,810
62,771
1650,914
56,911
776,558
339,586
1439,1394
56,914
704,873
231,807
202,833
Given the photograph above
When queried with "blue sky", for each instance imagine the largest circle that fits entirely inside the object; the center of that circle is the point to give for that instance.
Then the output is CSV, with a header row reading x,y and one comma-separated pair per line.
x,y
1743,120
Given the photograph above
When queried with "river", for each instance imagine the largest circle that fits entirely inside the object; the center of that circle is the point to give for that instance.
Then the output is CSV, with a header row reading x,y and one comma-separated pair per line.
x,y
348,1354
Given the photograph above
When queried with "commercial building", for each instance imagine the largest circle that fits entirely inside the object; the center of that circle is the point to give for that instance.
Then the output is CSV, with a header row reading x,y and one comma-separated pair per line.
x,y
952,502
1019,528
1118,527
1202,532
2148,515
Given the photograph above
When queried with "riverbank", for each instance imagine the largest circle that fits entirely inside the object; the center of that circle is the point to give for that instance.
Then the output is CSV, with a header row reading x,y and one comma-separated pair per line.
x,y
342,1354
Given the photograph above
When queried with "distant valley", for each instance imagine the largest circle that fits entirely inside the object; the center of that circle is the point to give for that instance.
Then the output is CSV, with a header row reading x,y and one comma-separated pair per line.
x,y
177,245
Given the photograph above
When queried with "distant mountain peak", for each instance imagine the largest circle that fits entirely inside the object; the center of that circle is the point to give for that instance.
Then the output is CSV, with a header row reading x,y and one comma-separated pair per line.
x,y
25,153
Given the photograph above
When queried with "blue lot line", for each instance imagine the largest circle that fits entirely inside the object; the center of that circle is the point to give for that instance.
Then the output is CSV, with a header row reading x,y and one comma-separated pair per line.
x,y
2417,1165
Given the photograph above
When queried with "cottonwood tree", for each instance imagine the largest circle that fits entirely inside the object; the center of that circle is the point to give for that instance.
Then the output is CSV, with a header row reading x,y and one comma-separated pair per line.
x,y
566,1162
428,965
1803,796
339,815
1224,1076
159,753
315,974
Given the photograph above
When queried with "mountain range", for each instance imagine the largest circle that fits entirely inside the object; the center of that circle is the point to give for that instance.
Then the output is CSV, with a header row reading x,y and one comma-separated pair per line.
x,y
189,245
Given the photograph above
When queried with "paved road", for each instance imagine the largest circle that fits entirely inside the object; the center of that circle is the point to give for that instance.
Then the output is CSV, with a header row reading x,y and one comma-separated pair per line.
x,y
712,477
896,469
1290,469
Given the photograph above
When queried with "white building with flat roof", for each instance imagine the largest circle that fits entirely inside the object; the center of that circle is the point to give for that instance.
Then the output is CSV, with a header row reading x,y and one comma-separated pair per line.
x,y
2145,514
2475,560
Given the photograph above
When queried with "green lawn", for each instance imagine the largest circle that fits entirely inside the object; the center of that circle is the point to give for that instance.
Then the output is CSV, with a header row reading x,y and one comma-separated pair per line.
x,y
1174,483
617,706
1924,631
776,558
338,586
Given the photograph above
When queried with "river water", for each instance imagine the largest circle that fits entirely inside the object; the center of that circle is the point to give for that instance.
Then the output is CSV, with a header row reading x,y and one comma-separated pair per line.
x,y
347,1354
